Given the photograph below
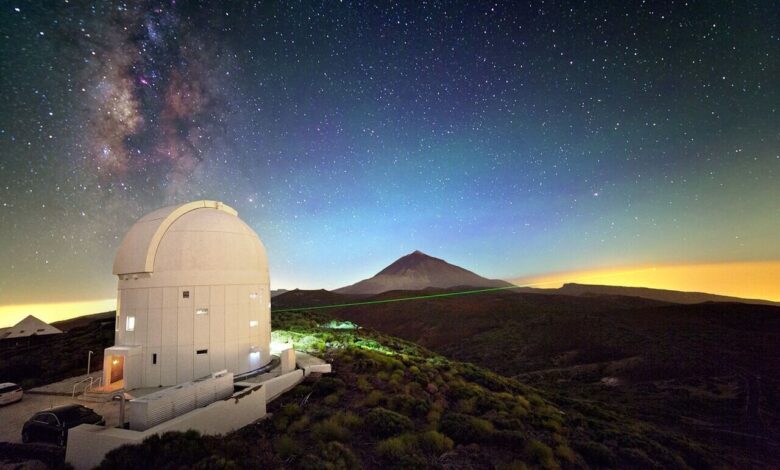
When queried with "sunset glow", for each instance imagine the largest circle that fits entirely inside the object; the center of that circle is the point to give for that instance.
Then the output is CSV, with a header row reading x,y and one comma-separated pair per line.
x,y
52,312
753,280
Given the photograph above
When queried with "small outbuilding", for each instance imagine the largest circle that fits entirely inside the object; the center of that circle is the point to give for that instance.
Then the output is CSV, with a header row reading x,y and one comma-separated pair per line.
x,y
193,298
29,326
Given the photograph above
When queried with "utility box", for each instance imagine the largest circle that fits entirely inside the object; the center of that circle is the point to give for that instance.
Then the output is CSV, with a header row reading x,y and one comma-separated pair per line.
x,y
150,410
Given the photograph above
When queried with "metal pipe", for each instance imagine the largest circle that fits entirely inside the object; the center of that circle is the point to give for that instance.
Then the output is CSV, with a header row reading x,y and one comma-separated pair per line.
x,y
89,360
121,397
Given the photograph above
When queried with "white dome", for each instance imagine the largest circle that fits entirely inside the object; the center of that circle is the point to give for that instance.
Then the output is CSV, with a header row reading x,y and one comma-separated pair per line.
x,y
190,238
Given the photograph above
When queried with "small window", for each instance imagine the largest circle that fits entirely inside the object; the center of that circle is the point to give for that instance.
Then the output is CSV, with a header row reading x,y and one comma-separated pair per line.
x,y
130,324
185,294
253,295
202,351
40,329
21,331
253,323
154,358
202,311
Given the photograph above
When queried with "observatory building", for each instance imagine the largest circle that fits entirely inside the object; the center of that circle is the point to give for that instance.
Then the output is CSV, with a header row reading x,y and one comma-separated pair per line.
x,y
193,298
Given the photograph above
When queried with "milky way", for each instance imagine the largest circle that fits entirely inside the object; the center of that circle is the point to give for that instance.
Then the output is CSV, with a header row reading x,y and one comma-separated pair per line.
x,y
511,138
156,109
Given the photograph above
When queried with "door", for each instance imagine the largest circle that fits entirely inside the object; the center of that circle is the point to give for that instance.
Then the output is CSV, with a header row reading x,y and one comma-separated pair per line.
x,y
46,428
117,368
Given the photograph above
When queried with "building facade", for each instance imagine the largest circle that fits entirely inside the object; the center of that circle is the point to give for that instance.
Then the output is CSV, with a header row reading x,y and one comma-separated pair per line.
x,y
193,298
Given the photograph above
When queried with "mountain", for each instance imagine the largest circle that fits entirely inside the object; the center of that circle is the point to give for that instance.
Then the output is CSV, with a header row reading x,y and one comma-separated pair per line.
x,y
418,271
276,292
673,296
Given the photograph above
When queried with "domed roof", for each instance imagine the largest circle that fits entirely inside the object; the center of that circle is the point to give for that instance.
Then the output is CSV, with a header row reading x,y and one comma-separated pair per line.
x,y
200,235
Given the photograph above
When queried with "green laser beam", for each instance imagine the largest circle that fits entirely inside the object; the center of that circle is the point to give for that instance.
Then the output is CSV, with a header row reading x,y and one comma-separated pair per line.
x,y
402,299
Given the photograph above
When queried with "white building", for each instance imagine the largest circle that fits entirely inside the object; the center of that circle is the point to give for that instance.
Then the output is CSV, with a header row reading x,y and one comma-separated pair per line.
x,y
29,326
193,298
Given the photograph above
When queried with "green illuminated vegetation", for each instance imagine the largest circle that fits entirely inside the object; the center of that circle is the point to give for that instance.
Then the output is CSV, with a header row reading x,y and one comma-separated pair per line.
x,y
391,403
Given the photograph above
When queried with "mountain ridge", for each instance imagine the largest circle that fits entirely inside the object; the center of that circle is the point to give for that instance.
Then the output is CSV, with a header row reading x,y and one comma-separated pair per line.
x,y
664,295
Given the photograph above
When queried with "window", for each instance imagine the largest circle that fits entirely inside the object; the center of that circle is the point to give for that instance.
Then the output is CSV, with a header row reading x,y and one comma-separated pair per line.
x,y
154,358
202,351
47,418
185,294
202,311
130,324
40,329
253,295
253,323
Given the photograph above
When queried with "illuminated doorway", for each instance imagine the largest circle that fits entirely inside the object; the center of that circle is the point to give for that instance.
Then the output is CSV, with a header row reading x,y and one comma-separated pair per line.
x,y
117,365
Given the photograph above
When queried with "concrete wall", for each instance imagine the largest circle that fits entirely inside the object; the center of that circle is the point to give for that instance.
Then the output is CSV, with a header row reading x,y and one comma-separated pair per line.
x,y
283,383
88,444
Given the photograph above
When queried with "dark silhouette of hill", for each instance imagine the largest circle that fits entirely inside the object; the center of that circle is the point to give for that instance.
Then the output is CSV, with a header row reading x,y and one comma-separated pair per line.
x,y
678,297
417,271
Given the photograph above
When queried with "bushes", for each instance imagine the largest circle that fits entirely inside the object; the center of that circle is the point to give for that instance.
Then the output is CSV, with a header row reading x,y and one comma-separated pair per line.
x,y
331,456
409,405
384,423
597,455
286,446
401,451
465,429
540,453
413,450
336,428
327,385
186,449
434,442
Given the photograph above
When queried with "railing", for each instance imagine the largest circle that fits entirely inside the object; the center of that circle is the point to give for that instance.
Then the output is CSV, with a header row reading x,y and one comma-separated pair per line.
x,y
90,381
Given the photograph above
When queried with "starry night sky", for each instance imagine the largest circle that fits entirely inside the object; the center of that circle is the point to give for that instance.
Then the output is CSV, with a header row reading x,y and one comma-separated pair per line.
x,y
509,138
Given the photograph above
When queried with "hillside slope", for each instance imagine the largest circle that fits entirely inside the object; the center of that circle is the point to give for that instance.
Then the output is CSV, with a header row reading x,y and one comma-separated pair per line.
x,y
393,404
709,370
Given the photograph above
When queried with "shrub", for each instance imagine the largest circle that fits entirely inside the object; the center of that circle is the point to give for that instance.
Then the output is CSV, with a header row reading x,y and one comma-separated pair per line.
x,y
408,405
565,453
332,399
434,443
285,446
385,423
327,385
291,409
299,425
540,453
330,430
597,455
331,456
186,449
363,384
465,429
374,398
401,451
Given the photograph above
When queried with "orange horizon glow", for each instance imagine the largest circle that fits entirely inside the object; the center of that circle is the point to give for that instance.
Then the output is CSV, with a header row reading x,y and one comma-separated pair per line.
x,y
749,280
54,311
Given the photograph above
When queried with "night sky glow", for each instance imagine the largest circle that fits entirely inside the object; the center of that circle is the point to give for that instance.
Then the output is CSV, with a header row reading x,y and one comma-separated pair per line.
x,y
510,138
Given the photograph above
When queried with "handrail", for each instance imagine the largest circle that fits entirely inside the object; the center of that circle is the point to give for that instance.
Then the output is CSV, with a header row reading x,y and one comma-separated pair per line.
x,y
89,379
